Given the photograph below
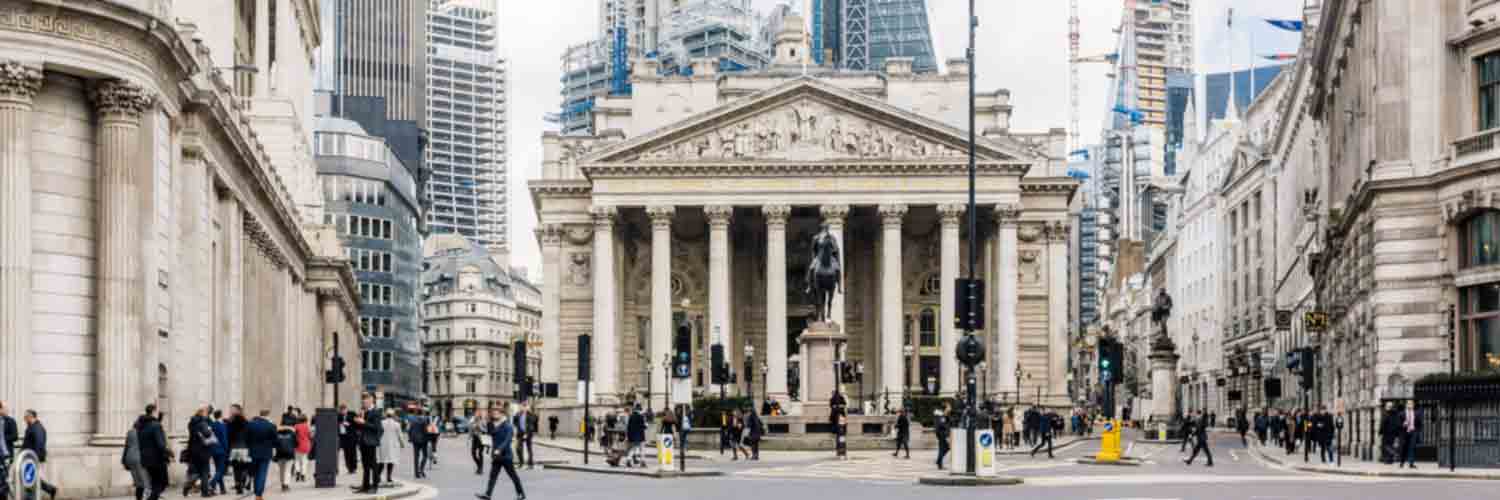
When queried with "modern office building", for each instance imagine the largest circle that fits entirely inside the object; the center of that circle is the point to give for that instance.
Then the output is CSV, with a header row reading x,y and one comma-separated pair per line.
x,y
862,34
467,93
1244,85
375,48
372,201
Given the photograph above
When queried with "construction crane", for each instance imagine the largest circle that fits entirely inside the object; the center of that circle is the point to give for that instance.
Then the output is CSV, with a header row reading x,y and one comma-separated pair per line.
x,y
1074,60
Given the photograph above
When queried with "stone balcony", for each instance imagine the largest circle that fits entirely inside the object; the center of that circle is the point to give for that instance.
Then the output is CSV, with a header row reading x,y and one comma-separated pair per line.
x,y
1475,149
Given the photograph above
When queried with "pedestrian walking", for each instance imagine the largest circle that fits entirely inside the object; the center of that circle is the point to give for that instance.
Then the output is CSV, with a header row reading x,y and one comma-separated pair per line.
x,y
285,453
1017,423
1200,434
348,438
502,458
391,444
552,423
1390,429
1186,430
526,423
1260,427
199,453
130,459
738,435
416,434
239,453
260,444
1242,425
434,432
303,430
1411,432
220,451
903,433
479,436
370,430
154,452
635,436
1323,434
940,423
1047,425
754,430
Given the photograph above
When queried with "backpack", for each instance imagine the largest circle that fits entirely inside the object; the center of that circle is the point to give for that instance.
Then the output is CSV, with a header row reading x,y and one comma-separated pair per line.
x,y
286,445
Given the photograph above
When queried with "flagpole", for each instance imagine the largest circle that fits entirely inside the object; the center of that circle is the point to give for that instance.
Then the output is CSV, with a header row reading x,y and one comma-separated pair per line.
x,y
1230,103
1252,64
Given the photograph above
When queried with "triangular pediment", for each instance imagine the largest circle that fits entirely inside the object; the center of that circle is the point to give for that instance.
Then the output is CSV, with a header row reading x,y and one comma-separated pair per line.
x,y
806,120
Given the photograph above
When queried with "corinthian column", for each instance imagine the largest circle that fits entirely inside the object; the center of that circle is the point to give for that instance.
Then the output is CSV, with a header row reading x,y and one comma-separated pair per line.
x,y
834,216
605,311
1007,217
120,106
776,216
1057,309
18,84
891,371
661,297
949,215
718,278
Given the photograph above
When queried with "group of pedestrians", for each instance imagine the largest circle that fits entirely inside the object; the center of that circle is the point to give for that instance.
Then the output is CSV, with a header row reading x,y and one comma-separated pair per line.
x,y
13,441
1311,430
1400,431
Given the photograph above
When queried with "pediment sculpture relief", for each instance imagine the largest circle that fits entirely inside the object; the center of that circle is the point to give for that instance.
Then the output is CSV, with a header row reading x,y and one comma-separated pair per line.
x,y
806,130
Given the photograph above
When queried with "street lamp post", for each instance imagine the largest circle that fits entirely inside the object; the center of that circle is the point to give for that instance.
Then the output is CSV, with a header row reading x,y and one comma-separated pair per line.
x,y
906,350
765,386
750,371
859,372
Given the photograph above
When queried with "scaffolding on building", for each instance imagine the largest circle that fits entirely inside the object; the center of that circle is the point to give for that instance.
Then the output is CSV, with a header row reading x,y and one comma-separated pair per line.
x,y
725,30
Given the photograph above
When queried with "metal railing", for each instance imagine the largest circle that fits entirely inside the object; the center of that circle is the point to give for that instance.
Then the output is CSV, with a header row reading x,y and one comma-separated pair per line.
x,y
1475,148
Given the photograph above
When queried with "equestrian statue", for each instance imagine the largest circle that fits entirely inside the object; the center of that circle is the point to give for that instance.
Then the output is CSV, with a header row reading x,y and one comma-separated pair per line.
x,y
824,276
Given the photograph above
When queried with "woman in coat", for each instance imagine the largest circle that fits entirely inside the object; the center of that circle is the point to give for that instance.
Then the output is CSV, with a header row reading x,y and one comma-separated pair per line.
x,y
132,460
390,442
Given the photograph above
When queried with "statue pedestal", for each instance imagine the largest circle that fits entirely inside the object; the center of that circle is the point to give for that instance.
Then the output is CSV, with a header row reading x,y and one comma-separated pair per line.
x,y
1163,384
820,343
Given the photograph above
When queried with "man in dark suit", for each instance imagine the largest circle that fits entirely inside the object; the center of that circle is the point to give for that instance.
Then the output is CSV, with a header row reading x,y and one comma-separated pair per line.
x,y
260,439
370,431
525,426
533,425
1323,434
9,435
1045,427
36,441
1410,431
154,453
348,438
1187,430
755,429
502,432
1200,436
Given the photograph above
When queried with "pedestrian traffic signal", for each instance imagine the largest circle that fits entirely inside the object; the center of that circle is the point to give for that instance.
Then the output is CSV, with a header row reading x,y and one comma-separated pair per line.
x,y
519,367
1308,367
583,357
1109,360
335,373
720,368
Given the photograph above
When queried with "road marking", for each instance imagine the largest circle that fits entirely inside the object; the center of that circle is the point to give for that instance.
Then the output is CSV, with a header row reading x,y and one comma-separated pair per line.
x,y
1187,479
1235,456
1129,447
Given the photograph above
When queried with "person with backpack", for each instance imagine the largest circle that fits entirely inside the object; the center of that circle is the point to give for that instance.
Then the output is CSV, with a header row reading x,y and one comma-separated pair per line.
x,y
130,459
416,434
286,449
200,445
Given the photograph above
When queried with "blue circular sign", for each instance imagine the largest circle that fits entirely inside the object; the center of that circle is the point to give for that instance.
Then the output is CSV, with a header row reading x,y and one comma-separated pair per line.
x,y
985,440
28,475
666,441
1109,426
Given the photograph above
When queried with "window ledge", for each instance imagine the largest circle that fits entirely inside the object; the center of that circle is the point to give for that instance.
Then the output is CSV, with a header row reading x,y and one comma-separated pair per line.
x,y
1477,275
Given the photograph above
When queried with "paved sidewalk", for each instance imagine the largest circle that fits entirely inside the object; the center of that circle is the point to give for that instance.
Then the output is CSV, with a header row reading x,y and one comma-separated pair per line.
x,y
305,491
1426,470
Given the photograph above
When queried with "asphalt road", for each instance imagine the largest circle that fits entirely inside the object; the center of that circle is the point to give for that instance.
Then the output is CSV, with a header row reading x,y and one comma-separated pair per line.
x,y
1236,475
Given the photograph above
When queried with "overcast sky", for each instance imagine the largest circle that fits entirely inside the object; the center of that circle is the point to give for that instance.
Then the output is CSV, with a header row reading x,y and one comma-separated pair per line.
x,y
1021,46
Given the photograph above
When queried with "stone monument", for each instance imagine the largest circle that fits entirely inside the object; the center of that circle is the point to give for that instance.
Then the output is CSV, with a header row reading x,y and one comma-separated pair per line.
x,y
821,340
1163,367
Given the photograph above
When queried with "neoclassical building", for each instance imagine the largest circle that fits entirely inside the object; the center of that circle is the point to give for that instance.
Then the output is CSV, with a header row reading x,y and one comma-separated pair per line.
x,y
150,248
475,306
698,198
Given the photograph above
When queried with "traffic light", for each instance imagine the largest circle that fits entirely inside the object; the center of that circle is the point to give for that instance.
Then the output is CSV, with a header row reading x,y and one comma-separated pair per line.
x,y
682,362
1109,360
719,367
966,317
519,368
335,374
1309,363
583,357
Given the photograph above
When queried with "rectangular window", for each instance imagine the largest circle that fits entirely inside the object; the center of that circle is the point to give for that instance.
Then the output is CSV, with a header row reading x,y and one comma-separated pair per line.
x,y
364,360
364,327
386,295
1489,90
386,226
386,263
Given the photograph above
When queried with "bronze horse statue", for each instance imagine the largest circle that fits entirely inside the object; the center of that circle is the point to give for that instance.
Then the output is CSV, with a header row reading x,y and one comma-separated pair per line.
x,y
824,275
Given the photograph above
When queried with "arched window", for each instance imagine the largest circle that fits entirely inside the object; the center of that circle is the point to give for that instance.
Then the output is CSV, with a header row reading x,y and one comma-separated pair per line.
x,y
1481,240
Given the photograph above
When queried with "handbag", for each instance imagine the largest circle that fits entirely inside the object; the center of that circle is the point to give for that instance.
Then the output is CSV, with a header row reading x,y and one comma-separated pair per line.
x,y
432,428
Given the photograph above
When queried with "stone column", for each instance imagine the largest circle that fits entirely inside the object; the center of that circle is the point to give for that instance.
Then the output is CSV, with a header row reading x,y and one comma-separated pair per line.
x,y
719,326
834,216
1057,310
776,216
19,83
891,372
606,315
1007,218
551,239
947,332
119,105
661,298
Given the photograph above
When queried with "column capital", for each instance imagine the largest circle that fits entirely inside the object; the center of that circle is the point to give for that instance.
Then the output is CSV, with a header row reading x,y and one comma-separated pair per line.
x,y
1057,231
776,215
892,213
834,214
1008,215
19,81
718,215
120,99
950,212
661,215
603,215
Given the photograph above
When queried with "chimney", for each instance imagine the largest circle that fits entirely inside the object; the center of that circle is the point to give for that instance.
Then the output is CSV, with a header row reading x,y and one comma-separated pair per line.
x,y
791,43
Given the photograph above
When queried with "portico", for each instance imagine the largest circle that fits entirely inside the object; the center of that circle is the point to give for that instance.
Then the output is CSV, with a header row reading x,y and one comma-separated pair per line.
x,y
709,219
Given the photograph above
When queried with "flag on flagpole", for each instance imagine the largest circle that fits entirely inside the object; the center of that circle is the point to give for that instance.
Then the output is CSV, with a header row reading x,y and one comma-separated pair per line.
x,y
1284,56
1286,24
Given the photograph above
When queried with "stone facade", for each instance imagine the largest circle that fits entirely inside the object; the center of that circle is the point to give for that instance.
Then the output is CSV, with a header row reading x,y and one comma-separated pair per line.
x,y
152,252
701,206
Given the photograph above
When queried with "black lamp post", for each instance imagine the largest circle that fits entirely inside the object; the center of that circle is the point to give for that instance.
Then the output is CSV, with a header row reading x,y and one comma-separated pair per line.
x,y
906,351
859,372
750,371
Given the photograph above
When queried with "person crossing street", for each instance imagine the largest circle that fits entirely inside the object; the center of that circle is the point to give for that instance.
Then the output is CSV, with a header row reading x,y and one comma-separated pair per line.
x,y
903,433
1046,426
502,432
1200,435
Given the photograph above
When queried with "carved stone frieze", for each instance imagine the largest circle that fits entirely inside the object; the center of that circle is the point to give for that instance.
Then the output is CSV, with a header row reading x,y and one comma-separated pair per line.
x,y
1031,232
1007,215
579,268
258,237
806,130
550,234
19,81
577,234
